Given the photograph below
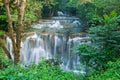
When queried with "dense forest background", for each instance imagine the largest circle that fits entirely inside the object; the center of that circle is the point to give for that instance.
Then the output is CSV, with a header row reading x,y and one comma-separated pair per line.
x,y
101,20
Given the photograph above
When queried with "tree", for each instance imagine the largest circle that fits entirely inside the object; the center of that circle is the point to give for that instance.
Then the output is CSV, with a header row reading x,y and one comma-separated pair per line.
x,y
20,4
13,13
49,7
3,18
105,44
32,12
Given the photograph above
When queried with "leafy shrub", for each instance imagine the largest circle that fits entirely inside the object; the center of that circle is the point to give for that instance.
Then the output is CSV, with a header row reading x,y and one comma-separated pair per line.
x,y
111,73
107,35
43,71
105,47
4,61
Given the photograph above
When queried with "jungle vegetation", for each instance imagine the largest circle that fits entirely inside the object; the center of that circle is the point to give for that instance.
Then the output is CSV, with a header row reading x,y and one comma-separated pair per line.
x,y
101,20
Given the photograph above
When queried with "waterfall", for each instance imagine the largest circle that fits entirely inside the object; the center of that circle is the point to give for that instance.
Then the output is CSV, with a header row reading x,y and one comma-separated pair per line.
x,y
49,46
9,47
76,23
37,46
60,13
53,45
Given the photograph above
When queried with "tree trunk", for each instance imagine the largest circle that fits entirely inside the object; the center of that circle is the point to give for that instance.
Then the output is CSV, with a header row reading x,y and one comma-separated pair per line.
x,y
16,45
11,31
21,9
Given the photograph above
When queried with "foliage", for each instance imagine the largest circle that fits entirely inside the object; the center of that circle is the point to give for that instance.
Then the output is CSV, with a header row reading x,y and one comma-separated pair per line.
x,y
111,73
32,12
104,48
49,7
3,19
71,6
72,3
107,35
2,33
43,71
91,12
86,11
4,61
61,3
107,5
101,57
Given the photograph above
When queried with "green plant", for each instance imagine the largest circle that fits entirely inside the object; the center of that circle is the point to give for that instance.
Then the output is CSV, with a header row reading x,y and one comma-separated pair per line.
x,y
3,19
32,12
43,71
86,11
2,33
111,73
107,35
4,61
91,13
104,47
49,8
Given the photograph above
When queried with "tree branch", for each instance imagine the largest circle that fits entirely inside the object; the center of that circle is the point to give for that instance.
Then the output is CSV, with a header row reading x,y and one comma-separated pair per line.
x,y
5,49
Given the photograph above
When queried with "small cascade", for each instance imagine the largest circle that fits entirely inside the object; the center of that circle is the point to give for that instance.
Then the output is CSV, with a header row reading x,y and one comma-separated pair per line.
x,y
34,48
59,23
56,25
76,23
60,13
48,24
9,47
42,46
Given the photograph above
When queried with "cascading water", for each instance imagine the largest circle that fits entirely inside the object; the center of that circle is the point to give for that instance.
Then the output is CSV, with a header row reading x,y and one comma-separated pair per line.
x,y
52,45
9,47
49,46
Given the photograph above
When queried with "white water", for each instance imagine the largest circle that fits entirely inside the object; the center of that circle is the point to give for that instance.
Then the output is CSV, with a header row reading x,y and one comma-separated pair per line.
x,y
60,13
48,24
9,47
48,46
